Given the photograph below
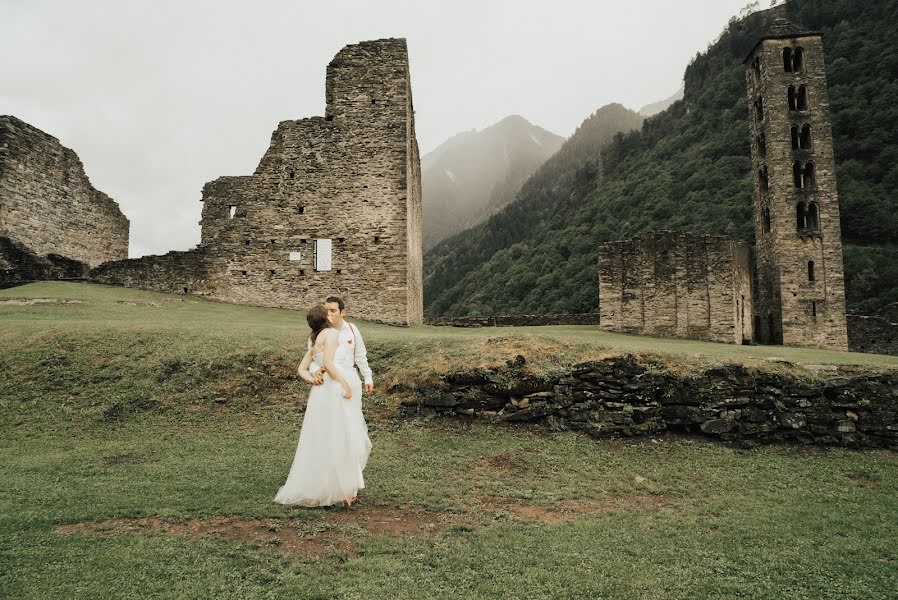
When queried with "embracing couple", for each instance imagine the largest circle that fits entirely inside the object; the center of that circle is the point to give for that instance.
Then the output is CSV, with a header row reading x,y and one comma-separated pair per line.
x,y
333,443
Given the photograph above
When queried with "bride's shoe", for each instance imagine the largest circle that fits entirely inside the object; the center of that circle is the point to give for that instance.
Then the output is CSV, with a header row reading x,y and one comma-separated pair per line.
x,y
349,501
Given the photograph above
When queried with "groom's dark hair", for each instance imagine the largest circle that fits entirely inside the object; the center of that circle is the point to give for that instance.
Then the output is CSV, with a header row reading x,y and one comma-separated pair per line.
x,y
335,300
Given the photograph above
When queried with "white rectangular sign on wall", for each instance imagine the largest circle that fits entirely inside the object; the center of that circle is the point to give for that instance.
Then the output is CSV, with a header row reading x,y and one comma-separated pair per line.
x,y
295,255
322,250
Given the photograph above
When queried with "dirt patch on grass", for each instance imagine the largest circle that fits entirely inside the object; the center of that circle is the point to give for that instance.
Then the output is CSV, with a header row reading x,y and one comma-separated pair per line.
x,y
864,481
514,463
566,510
33,301
121,459
333,534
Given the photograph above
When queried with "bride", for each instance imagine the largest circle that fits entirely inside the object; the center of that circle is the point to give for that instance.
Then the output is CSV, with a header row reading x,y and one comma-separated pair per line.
x,y
333,443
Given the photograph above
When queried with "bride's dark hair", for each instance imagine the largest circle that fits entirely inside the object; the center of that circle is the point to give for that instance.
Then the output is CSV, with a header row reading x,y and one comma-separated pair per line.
x,y
317,320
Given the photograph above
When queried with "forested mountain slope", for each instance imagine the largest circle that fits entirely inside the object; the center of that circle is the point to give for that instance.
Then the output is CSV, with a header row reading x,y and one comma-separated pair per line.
x,y
689,168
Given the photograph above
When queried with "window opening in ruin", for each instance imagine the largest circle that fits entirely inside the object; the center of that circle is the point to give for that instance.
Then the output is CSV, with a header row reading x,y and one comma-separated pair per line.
x,y
294,255
302,240
804,141
791,95
796,174
338,271
243,272
301,209
798,60
766,220
800,216
756,64
340,240
813,308
787,60
812,220
272,271
232,210
794,131
290,173
373,101
808,178
321,254
802,98
762,146
759,108
185,290
811,270
302,272
246,242
376,239
272,242
763,178
757,331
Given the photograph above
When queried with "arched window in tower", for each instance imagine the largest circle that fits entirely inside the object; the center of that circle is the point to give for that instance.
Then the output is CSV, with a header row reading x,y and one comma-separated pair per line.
x,y
763,178
813,219
756,68
796,174
809,179
794,131
797,60
759,108
787,60
762,146
801,221
791,95
801,100
766,220
805,139
811,270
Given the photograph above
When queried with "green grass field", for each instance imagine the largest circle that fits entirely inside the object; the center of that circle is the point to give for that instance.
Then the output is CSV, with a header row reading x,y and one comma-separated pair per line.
x,y
142,437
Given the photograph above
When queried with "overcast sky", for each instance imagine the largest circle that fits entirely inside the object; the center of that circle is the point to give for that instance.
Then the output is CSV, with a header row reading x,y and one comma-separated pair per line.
x,y
158,97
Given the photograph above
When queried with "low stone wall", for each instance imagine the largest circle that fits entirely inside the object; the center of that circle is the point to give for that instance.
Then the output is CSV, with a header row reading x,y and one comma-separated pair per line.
x,y
625,397
514,320
177,272
19,265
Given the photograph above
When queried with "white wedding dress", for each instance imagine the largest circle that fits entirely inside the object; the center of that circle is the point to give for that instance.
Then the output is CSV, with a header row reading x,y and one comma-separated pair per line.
x,y
333,443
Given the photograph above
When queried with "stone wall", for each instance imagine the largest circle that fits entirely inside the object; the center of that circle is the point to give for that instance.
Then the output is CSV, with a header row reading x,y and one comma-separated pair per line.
x,y
351,177
796,304
19,265
677,284
626,397
176,272
47,202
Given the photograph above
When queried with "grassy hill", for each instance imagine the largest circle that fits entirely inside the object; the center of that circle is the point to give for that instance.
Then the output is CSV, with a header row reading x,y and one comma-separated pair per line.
x,y
688,168
143,436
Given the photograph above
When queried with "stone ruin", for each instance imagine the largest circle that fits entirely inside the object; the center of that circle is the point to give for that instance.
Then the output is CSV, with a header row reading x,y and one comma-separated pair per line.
x,y
51,217
334,207
677,284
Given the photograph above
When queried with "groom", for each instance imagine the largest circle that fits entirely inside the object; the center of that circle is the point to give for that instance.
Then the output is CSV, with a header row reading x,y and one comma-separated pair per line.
x,y
350,335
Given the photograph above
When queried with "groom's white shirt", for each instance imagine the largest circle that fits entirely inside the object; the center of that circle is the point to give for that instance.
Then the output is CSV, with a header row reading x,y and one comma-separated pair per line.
x,y
351,336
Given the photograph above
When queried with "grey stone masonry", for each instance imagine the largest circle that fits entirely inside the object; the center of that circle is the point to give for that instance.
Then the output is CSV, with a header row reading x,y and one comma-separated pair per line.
x,y
351,177
345,186
677,284
47,202
800,292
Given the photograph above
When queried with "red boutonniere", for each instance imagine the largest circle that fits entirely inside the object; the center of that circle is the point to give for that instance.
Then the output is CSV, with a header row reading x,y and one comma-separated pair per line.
x,y
349,342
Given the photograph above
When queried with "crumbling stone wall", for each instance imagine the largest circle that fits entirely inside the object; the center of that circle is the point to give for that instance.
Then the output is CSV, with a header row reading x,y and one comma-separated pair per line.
x,y
624,396
796,303
47,202
676,284
352,177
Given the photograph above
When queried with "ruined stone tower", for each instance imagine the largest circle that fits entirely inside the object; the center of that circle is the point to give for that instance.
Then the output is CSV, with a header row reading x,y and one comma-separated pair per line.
x,y
799,297
334,206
